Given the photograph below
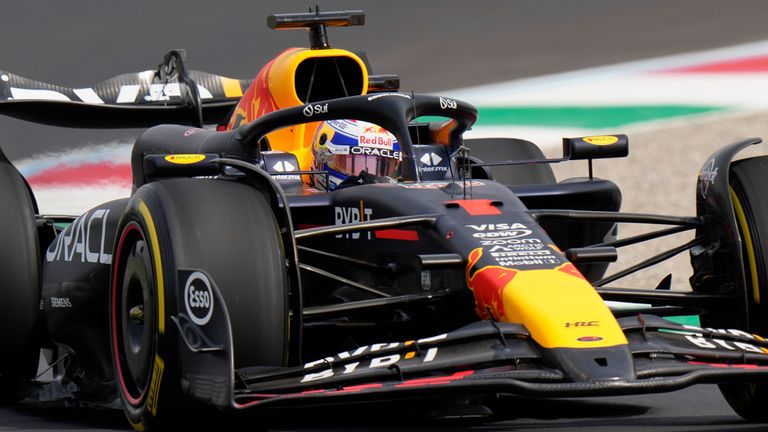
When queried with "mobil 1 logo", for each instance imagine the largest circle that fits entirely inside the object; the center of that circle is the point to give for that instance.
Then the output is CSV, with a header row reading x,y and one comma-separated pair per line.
x,y
197,296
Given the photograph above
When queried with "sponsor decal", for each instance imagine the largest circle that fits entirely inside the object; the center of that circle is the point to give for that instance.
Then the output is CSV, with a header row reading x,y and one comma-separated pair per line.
x,y
426,280
510,234
154,388
601,140
430,162
496,227
708,342
728,365
488,284
283,166
507,256
83,240
589,339
374,362
198,298
341,124
374,136
499,231
286,177
582,324
60,302
257,99
352,215
431,159
311,110
510,245
159,92
438,184
184,159
373,151
707,177
192,131
514,244
381,95
447,103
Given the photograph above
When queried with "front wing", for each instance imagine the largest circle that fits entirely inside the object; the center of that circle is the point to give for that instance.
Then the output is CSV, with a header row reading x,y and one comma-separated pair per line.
x,y
490,357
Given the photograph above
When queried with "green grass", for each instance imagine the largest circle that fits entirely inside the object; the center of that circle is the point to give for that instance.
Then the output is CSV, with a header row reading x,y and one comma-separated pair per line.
x,y
584,117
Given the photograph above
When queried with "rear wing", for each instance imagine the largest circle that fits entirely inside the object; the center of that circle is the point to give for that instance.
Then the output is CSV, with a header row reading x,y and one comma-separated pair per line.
x,y
168,94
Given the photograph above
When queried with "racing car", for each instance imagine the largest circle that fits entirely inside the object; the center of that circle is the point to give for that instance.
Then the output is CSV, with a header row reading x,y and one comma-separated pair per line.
x,y
334,240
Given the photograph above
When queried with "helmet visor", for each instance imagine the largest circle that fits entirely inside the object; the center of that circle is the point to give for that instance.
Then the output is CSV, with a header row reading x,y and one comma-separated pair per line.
x,y
372,164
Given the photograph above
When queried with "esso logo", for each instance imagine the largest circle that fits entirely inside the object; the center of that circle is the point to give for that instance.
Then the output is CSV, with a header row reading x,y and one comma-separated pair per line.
x,y
198,298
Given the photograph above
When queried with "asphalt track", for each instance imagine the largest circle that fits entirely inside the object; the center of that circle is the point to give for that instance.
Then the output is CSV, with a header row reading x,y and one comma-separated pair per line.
x,y
433,46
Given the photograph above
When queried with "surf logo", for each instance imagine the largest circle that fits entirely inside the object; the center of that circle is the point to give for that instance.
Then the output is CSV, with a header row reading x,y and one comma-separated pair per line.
x,y
448,103
311,110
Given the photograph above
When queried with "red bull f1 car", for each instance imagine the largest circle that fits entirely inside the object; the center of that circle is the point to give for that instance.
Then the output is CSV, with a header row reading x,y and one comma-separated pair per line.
x,y
335,240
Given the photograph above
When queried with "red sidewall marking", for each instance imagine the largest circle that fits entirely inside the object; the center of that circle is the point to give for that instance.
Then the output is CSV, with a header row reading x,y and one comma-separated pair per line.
x,y
132,226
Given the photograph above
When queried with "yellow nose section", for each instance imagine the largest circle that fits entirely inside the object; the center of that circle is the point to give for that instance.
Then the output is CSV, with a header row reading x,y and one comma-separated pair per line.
x,y
558,306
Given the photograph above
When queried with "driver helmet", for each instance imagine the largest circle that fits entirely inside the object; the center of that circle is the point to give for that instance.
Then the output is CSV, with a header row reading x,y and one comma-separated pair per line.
x,y
354,152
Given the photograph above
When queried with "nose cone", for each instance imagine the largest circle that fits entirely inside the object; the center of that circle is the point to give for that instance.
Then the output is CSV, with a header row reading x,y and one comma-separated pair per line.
x,y
557,305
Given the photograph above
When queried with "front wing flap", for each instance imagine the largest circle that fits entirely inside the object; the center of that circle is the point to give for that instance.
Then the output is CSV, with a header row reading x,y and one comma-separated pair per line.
x,y
489,357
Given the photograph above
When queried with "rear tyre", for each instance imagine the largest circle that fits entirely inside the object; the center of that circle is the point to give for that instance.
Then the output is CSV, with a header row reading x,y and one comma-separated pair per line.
x,y
224,229
20,286
749,180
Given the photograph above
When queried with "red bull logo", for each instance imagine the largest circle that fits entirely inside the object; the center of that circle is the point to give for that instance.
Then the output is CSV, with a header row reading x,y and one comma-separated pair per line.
x,y
374,129
375,136
487,285
557,305
256,101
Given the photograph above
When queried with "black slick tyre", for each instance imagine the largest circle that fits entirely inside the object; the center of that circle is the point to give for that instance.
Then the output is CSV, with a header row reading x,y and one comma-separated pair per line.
x,y
226,230
20,286
749,182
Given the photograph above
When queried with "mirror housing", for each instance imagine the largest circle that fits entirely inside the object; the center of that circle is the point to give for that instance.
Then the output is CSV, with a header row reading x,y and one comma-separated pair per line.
x,y
595,147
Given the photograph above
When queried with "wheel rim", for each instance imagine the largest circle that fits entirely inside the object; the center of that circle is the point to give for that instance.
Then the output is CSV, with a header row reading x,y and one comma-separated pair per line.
x,y
133,314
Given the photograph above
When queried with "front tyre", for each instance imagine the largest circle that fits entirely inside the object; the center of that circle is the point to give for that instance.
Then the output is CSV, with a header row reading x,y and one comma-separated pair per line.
x,y
749,182
221,228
